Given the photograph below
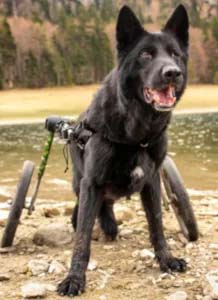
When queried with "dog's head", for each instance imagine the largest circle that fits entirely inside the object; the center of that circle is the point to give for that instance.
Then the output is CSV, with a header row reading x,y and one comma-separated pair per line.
x,y
153,66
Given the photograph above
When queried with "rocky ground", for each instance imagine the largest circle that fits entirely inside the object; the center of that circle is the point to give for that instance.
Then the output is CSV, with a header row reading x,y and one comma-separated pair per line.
x,y
124,269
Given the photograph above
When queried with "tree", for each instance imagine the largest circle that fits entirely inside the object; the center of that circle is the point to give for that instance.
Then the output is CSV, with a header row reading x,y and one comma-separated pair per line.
x,y
7,54
31,71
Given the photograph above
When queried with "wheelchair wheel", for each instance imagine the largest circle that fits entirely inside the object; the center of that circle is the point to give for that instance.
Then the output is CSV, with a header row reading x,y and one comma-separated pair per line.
x,y
17,204
179,199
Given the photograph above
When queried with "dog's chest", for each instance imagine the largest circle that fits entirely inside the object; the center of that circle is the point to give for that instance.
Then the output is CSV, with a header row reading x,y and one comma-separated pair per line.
x,y
126,175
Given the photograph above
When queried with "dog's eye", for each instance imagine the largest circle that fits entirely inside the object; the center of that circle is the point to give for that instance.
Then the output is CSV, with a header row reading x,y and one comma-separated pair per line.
x,y
174,54
145,55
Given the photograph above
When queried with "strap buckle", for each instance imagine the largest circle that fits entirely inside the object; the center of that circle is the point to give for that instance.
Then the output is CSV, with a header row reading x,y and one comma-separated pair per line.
x,y
145,145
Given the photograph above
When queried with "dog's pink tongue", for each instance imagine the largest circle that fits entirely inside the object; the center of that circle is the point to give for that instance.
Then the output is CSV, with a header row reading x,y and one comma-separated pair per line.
x,y
165,96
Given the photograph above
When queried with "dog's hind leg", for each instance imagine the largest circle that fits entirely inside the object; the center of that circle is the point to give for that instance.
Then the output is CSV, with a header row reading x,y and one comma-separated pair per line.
x,y
107,221
151,200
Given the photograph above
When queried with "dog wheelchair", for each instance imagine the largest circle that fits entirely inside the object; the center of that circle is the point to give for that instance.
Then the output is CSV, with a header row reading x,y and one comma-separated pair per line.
x,y
173,190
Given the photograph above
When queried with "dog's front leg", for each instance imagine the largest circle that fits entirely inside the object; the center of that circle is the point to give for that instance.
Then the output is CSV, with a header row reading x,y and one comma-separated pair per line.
x,y
151,199
90,202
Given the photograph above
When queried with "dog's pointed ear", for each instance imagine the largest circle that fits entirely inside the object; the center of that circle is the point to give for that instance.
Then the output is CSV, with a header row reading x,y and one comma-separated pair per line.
x,y
178,25
128,28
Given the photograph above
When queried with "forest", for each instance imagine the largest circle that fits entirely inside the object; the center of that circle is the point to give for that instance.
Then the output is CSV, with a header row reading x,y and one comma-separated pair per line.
x,y
63,42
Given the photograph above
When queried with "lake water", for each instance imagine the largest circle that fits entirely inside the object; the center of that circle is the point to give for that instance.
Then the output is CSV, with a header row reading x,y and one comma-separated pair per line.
x,y
193,145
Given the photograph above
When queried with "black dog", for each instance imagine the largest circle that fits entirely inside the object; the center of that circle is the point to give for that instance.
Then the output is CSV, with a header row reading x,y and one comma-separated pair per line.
x,y
129,117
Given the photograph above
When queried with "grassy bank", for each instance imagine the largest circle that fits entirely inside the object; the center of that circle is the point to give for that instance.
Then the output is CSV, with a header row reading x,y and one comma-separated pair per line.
x,y
36,104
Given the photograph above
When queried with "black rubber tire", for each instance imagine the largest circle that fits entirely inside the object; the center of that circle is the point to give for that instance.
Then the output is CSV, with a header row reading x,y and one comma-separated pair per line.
x,y
179,199
18,204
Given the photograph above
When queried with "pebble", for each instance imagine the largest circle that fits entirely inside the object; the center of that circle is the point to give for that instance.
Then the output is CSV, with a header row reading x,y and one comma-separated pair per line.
x,y
4,277
50,287
5,250
53,235
38,266
33,290
166,276
103,297
123,214
189,246
92,266
126,233
146,254
96,232
108,247
3,217
135,253
141,213
50,212
56,268
179,295
68,210
178,283
213,246
173,245
212,287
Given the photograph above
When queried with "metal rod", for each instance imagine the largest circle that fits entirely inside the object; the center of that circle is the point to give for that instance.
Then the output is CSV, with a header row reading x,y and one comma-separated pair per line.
x,y
42,167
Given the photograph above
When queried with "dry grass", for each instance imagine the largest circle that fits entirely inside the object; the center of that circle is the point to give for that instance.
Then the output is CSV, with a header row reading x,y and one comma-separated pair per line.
x,y
34,104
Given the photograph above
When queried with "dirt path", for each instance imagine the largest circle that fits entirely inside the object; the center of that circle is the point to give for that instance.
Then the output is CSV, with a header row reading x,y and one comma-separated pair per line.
x,y
121,272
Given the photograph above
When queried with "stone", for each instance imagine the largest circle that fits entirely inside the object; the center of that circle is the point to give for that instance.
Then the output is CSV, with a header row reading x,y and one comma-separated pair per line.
x,y
96,232
135,253
68,210
92,266
50,287
213,246
5,250
168,276
172,244
3,217
141,213
108,247
53,235
56,267
4,277
179,295
38,266
50,212
212,287
123,214
33,290
103,297
146,254
126,233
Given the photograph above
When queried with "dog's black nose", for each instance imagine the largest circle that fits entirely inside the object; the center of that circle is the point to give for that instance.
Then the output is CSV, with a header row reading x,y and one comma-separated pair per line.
x,y
171,74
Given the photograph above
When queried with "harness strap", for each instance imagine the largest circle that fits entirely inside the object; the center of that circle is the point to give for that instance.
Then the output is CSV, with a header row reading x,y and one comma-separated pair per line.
x,y
82,133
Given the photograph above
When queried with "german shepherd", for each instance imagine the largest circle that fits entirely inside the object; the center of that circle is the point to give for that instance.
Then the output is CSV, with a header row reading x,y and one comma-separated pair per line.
x,y
129,117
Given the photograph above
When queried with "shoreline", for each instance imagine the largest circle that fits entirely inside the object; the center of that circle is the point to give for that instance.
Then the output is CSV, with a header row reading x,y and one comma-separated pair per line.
x,y
21,121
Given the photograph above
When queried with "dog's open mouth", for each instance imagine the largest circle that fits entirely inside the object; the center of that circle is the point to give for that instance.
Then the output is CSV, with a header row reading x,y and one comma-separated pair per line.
x,y
163,100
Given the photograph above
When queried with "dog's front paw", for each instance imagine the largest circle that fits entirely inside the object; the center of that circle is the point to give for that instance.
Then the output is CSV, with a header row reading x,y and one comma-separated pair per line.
x,y
170,263
72,285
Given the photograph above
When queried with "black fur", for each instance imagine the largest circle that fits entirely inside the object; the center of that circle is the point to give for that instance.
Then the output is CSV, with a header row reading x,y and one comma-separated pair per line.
x,y
115,162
